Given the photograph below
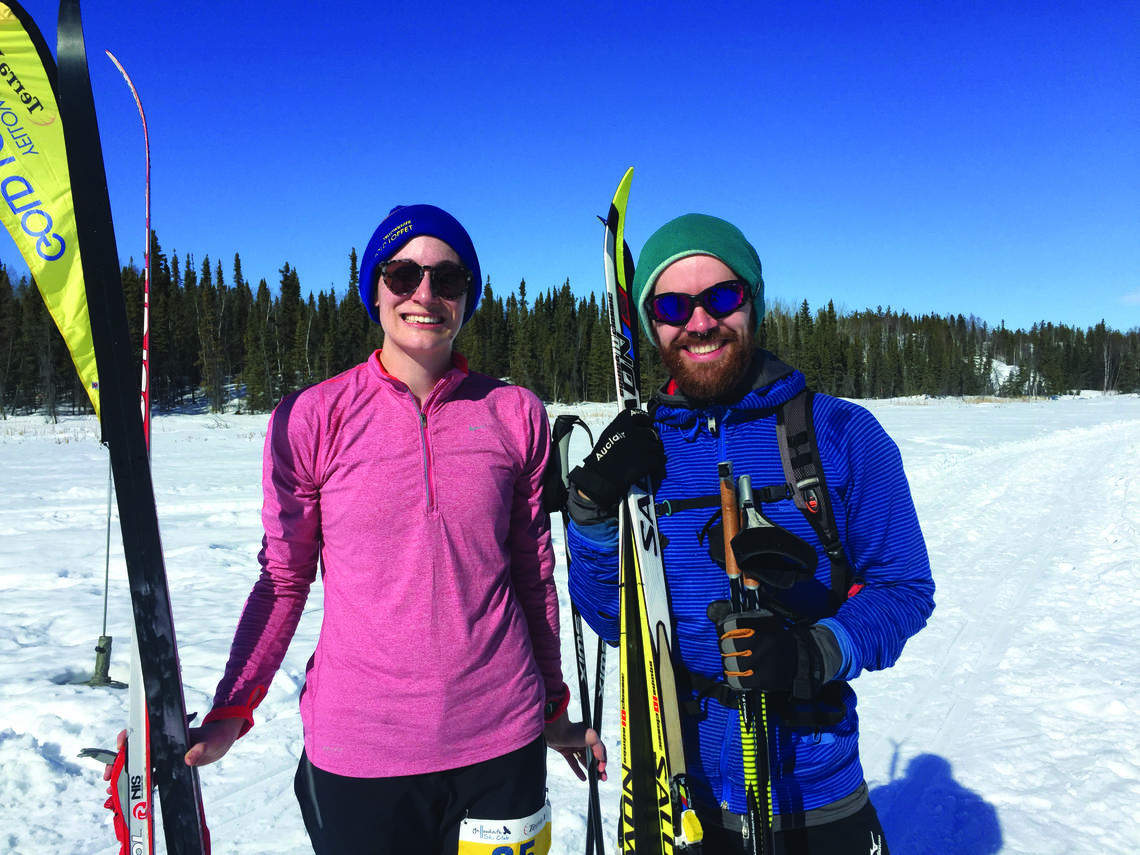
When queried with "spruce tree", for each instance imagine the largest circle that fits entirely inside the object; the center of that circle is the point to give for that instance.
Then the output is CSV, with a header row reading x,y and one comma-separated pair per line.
x,y
240,305
8,309
496,333
306,342
351,330
288,320
160,357
523,359
259,397
210,307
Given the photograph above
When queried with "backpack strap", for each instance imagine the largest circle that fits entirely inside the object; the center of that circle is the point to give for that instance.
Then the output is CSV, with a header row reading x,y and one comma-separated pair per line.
x,y
799,452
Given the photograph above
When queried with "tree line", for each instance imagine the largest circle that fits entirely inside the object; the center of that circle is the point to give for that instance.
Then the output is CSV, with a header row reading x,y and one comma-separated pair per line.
x,y
212,330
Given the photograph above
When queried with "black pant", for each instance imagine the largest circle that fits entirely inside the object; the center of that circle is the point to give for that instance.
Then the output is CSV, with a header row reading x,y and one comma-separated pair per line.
x,y
417,813
858,834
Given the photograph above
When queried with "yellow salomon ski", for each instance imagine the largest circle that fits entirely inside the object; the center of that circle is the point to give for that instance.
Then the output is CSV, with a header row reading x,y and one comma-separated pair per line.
x,y
656,817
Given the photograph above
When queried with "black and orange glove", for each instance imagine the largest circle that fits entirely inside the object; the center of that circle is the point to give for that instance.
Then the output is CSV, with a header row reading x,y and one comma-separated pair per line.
x,y
761,652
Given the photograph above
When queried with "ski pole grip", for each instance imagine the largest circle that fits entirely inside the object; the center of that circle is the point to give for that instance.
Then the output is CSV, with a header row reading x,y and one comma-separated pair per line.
x,y
560,437
564,461
749,517
730,516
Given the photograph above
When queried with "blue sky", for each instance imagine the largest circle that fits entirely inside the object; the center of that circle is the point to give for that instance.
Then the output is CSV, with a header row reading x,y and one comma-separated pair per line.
x,y
934,157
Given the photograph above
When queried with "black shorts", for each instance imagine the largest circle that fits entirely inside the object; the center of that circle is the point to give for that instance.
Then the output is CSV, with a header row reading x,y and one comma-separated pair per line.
x,y
417,813
858,834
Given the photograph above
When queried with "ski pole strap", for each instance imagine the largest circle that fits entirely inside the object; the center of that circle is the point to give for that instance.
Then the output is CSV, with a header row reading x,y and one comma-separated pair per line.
x,y
117,797
242,711
555,482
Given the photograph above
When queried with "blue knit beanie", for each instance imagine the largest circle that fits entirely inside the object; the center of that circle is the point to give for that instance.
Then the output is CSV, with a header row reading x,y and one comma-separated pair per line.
x,y
403,223
696,234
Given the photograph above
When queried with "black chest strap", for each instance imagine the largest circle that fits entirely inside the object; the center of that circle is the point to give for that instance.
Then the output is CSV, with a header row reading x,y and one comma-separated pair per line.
x,y
825,711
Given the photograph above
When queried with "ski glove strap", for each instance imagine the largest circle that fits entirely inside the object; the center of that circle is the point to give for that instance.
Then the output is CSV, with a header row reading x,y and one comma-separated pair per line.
x,y
243,711
629,450
762,653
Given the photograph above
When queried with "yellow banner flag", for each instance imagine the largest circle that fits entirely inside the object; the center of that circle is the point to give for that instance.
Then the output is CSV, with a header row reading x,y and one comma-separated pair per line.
x,y
35,187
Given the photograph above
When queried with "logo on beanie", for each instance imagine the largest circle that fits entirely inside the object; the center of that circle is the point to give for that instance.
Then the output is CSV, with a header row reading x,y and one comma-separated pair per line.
x,y
390,238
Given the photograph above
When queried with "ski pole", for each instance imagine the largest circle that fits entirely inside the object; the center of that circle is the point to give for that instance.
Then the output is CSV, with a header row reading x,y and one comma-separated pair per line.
x,y
753,712
730,521
594,841
594,817
560,436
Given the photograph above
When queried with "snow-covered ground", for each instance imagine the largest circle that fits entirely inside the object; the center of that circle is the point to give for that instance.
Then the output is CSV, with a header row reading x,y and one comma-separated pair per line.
x,y
1011,724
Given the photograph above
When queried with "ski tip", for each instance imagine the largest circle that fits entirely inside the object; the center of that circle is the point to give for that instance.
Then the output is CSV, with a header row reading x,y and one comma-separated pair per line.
x,y
615,221
623,185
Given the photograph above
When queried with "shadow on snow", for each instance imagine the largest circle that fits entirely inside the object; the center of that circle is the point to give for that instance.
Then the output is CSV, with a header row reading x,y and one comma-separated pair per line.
x,y
926,812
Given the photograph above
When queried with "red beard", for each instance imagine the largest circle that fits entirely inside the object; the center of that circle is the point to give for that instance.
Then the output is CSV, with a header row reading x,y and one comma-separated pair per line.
x,y
709,380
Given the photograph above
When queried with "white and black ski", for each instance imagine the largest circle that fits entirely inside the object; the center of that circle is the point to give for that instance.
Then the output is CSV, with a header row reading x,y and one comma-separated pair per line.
x,y
180,798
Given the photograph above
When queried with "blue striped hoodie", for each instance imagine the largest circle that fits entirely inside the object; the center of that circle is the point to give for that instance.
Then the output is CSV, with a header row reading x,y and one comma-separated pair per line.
x,y
813,772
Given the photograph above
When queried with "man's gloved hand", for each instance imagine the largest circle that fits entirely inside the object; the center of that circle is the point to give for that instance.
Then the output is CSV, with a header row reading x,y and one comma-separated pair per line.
x,y
762,653
628,450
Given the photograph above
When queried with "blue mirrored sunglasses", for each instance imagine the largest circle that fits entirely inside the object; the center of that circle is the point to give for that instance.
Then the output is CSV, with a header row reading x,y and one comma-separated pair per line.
x,y
719,300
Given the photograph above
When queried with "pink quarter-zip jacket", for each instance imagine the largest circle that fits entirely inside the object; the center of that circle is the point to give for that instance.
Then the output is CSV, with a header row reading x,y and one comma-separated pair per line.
x,y
439,640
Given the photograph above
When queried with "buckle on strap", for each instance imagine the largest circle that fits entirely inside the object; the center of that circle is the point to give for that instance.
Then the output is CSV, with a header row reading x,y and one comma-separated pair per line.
x,y
825,711
717,690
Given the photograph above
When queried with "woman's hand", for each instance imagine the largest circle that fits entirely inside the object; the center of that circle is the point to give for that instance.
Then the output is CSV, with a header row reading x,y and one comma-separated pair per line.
x,y
576,742
210,742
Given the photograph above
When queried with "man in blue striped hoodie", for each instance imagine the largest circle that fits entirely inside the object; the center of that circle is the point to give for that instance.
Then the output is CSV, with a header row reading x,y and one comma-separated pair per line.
x,y
700,298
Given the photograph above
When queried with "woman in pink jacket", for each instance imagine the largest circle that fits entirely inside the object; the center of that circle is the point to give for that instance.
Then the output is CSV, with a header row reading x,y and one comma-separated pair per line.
x,y
415,485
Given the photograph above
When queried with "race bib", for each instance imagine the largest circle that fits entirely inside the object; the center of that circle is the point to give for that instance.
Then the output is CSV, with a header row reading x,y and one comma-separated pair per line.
x,y
530,836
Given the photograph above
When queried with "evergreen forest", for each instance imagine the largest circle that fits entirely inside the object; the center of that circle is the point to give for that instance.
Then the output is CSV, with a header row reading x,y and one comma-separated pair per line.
x,y
213,331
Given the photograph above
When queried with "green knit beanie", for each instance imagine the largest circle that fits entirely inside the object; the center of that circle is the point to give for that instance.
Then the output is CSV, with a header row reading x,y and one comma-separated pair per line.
x,y
695,234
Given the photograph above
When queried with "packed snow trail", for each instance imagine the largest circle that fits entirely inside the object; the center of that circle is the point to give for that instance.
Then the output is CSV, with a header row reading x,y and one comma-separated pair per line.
x,y
1011,724
1003,723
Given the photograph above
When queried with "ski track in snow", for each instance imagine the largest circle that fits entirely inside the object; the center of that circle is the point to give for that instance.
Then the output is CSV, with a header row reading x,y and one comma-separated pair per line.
x,y
1009,725
1033,543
